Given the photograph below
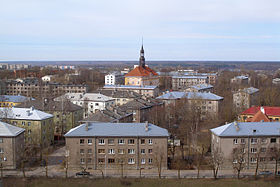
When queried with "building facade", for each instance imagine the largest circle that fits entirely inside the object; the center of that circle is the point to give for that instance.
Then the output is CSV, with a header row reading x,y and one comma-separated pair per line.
x,y
255,140
272,113
12,100
117,146
114,79
183,82
245,98
38,125
11,145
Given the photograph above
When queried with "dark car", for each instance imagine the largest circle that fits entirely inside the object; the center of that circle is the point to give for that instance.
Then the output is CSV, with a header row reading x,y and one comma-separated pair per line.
x,y
265,173
83,173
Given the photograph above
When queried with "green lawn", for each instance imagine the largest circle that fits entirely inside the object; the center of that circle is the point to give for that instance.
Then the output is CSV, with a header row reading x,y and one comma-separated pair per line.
x,y
10,182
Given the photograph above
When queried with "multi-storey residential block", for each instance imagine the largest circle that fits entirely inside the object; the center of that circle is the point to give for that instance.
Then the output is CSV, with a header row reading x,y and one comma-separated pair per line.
x,y
38,125
253,113
149,91
117,145
242,79
245,98
48,78
200,88
208,104
142,75
121,96
114,79
66,115
183,82
255,140
35,88
12,100
11,145
91,102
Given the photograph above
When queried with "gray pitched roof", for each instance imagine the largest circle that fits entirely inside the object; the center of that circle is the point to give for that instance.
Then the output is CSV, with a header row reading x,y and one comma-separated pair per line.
x,y
248,129
117,130
173,95
24,113
190,95
14,98
9,130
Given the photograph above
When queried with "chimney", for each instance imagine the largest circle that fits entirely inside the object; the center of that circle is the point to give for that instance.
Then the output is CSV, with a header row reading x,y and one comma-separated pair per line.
x,y
86,126
236,126
146,126
262,110
32,108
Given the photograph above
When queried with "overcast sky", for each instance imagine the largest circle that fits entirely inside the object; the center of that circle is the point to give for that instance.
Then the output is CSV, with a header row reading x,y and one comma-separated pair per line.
x,y
113,29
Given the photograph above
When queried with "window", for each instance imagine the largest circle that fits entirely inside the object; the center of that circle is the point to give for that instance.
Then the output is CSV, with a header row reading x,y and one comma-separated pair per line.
x,y
131,151
235,141
96,104
111,160
101,151
131,141
143,161
111,151
254,140
82,161
111,141
82,151
150,160
262,159
1,140
89,141
142,151
234,161
82,141
273,140
263,149
23,123
121,141
131,161
89,160
263,140
28,123
121,151
89,151
142,141
150,151
253,160
253,150
242,141
101,160
101,141
1,150
29,131
150,141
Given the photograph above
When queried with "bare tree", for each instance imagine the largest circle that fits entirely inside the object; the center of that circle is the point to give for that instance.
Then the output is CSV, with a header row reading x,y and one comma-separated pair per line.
x,y
216,161
238,158
274,152
199,158
158,156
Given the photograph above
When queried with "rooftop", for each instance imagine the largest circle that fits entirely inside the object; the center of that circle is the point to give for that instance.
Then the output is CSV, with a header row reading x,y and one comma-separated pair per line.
x,y
173,95
24,113
202,86
269,111
248,129
84,97
8,130
190,95
129,87
13,98
117,130
249,90
189,77
141,71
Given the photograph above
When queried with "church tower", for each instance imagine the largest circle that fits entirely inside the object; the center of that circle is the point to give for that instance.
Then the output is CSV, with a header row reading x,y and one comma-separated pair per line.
x,y
142,58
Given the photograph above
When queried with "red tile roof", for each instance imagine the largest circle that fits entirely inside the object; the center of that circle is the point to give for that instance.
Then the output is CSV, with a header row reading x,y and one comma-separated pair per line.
x,y
141,72
258,117
269,111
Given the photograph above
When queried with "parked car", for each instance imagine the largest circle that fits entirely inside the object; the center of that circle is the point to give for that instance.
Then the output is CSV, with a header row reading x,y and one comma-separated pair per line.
x,y
83,173
265,173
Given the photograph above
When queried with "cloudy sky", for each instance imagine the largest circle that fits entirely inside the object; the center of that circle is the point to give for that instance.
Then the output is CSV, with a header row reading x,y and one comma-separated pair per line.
x,y
112,29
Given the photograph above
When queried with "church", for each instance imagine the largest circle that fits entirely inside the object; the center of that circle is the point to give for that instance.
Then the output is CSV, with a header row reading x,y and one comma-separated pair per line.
x,y
142,75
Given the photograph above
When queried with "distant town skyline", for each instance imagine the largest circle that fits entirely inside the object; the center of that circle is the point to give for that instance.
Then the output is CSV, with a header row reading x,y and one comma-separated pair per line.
x,y
113,30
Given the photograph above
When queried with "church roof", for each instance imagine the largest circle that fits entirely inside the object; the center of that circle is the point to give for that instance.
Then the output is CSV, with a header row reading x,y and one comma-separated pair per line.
x,y
141,72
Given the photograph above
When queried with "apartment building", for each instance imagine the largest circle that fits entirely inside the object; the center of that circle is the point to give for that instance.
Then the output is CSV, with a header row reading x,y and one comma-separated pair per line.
x,y
90,102
242,79
11,145
66,115
208,104
183,82
149,91
245,98
114,79
255,112
35,88
116,146
121,96
12,100
200,88
38,125
256,140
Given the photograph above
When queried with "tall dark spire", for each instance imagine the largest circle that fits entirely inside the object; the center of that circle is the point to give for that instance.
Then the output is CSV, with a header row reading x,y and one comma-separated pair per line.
x,y
142,58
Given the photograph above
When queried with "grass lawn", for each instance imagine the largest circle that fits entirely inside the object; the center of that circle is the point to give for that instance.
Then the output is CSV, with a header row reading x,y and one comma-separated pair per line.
x,y
42,182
